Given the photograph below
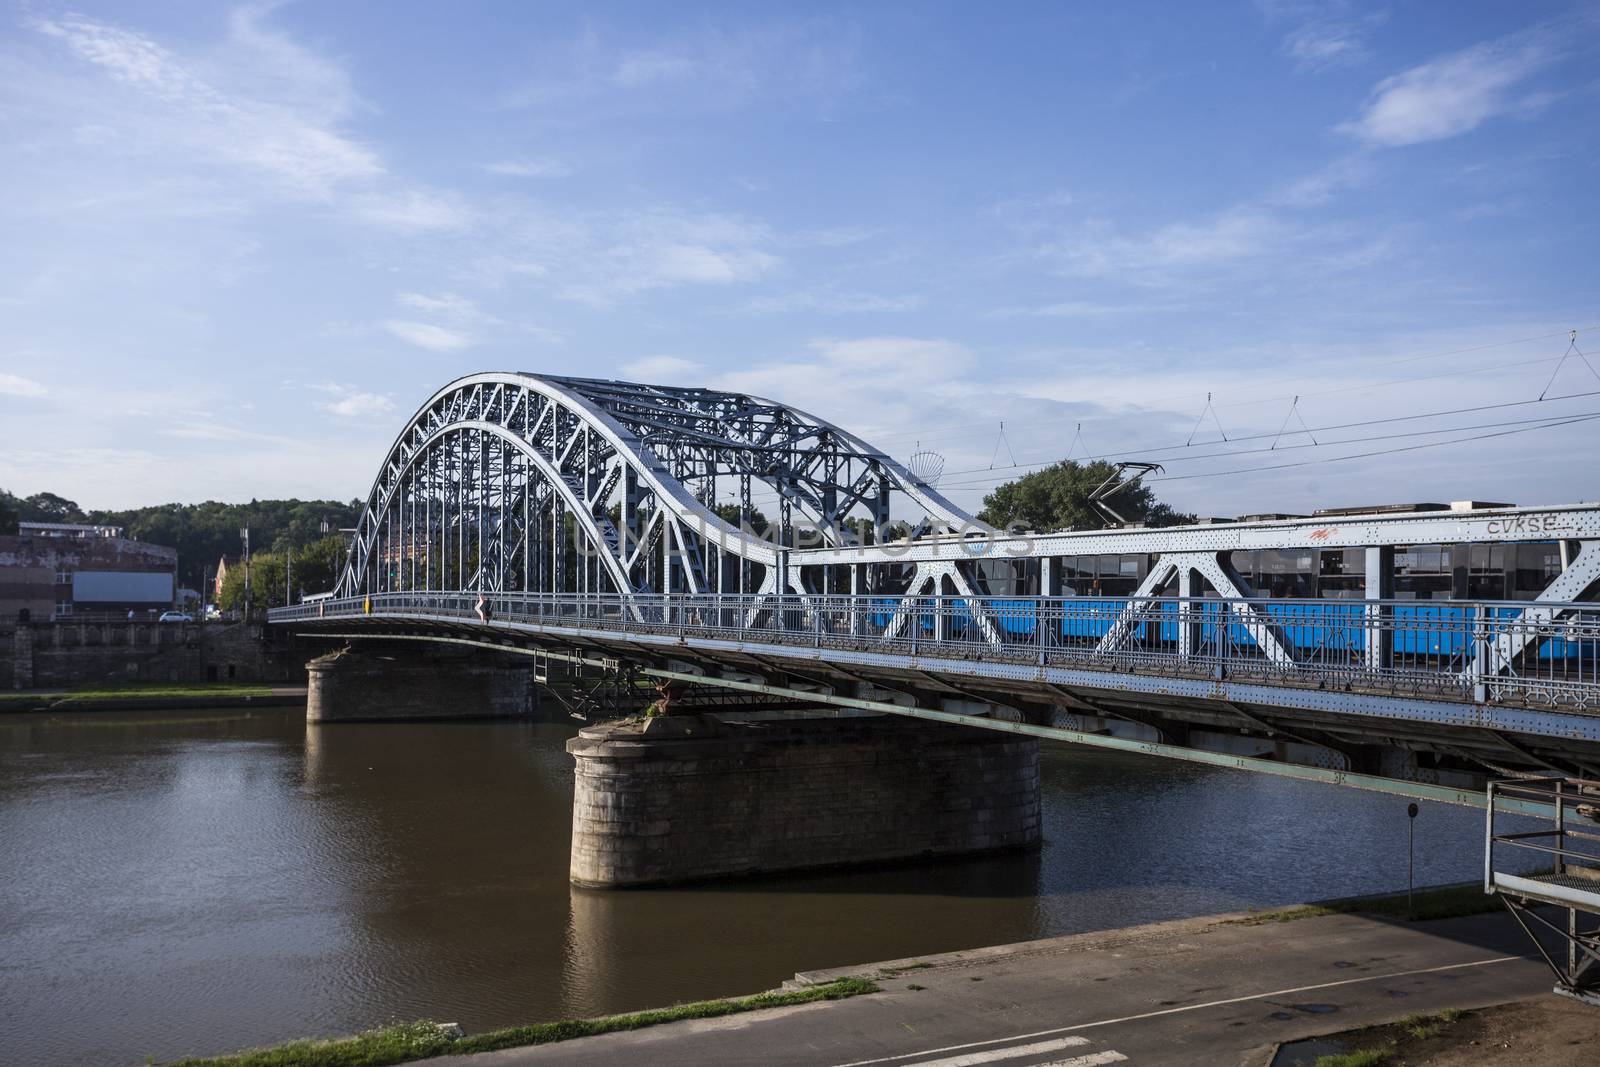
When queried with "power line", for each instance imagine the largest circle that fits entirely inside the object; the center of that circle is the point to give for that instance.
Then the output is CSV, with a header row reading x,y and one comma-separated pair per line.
x,y
1380,452
1324,392
1534,423
1547,425
1159,450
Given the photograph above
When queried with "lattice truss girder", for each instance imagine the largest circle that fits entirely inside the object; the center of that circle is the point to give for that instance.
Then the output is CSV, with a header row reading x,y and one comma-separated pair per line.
x,y
528,483
544,484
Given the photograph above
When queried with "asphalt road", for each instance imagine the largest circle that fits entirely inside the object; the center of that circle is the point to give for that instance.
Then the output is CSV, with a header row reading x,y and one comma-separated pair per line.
x,y
1192,992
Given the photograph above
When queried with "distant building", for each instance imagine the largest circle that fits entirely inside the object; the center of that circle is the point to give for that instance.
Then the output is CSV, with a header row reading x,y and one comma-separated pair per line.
x,y
66,529
57,570
223,566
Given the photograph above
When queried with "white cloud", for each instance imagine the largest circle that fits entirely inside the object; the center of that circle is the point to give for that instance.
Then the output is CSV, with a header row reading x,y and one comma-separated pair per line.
x,y
1451,95
608,259
645,68
17,385
713,68
1166,252
662,369
297,148
447,305
414,210
530,168
427,335
351,402
829,300
1327,44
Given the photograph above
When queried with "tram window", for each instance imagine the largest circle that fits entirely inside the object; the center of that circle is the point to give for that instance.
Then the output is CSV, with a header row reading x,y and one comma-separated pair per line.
x,y
1536,566
1486,587
1422,587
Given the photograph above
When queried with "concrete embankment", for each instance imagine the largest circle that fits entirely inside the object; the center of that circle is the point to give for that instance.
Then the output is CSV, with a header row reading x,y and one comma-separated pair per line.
x,y
1219,990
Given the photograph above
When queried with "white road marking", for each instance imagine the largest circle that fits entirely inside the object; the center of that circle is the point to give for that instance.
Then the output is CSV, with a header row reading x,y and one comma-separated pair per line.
x,y
1188,1007
1093,1059
976,1059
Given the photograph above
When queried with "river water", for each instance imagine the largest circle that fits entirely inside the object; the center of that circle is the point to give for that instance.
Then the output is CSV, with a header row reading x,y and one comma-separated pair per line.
x,y
196,882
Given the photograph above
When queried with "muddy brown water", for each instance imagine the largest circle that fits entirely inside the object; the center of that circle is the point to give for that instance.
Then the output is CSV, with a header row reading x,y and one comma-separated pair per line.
x,y
197,882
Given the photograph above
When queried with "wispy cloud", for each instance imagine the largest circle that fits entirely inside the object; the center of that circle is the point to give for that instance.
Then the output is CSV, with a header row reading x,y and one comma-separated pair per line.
x,y
832,301
351,402
297,147
715,68
428,335
530,168
1156,256
1453,94
606,259
17,385
663,369
1329,43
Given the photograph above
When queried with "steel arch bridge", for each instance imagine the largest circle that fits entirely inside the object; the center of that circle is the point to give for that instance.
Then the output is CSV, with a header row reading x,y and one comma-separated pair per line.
x,y
616,524
538,483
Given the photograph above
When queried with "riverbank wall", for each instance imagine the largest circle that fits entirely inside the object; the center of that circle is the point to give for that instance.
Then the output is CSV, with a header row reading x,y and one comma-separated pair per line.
x,y
681,799
59,653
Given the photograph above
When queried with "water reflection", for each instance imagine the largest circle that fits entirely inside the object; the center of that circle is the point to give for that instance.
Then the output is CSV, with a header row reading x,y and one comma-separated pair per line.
x,y
191,883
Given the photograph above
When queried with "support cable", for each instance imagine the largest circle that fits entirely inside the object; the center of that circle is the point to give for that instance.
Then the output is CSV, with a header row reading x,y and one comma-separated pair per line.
x,y
1212,412
1294,412
1572,349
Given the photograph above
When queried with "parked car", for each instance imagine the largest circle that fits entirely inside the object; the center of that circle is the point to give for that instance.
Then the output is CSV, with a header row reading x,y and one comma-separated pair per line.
x,y
175,616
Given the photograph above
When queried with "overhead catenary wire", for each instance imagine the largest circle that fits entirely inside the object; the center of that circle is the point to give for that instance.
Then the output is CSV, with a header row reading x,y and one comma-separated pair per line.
x,y
1305,393
1380,452
1572,348
1555,423
1179,448
1533,423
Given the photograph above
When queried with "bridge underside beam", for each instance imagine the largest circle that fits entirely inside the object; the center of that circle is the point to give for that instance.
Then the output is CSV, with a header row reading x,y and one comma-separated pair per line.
x,y
1445,761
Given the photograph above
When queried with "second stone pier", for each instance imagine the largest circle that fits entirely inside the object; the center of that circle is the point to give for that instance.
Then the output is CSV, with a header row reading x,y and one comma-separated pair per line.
x,y
679,799
369,686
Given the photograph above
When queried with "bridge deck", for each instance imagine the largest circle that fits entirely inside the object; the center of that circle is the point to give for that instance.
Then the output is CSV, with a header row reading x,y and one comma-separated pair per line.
x,y
1428,674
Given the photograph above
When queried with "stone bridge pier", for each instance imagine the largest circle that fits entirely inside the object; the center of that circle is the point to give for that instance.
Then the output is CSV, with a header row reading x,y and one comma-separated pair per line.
x,y
374,685
682,798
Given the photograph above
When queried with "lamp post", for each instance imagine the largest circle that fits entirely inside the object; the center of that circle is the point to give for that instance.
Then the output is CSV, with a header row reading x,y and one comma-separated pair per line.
x,y
244,535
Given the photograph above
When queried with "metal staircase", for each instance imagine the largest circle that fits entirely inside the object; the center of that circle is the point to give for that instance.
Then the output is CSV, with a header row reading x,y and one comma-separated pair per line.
x,y
1567,834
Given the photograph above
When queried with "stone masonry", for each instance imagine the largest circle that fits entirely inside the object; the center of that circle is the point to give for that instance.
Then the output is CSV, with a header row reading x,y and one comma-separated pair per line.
x,y
355,686
683,799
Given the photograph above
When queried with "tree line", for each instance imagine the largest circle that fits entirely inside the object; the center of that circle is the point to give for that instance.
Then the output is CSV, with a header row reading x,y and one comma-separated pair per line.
x,y
204,533
287,535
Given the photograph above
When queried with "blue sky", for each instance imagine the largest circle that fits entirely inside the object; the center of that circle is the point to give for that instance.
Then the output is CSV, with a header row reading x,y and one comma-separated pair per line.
x,y
241,245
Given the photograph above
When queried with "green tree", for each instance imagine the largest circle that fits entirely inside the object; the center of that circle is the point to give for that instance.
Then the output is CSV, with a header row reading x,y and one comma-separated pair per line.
x,y
317,565
266,584
47,507
1057,498
9,513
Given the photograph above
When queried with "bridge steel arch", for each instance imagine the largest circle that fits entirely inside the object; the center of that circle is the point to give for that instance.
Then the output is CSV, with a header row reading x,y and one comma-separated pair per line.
x,y
517,482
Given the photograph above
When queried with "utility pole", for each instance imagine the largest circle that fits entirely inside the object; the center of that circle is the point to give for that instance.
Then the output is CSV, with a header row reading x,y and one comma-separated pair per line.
x,y
244,535
288,569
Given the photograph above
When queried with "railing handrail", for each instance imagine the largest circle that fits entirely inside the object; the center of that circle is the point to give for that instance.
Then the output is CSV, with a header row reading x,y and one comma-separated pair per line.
x,y
1556,605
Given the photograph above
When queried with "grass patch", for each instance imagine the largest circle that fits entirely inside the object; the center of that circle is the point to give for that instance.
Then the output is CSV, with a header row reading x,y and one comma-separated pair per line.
x,y
1367,1057
1443,902
424,1040
917,965
1424,1026
1403,1032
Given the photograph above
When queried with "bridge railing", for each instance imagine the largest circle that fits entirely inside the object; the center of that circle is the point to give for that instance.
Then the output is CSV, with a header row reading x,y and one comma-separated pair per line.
x,y
1493,651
